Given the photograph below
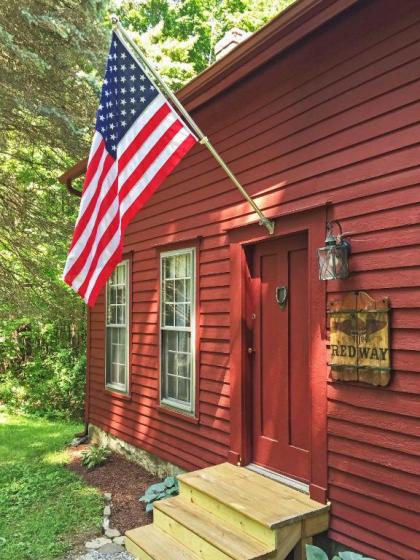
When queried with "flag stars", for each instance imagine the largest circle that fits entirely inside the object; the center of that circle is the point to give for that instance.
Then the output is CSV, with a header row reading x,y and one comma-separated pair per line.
x,y
128,90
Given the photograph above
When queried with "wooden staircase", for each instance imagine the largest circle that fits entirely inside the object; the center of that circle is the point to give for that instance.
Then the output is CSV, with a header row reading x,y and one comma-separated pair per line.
x,y
226,512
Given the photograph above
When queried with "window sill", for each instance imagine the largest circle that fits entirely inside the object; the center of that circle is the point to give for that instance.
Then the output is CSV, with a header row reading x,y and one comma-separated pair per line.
x,y
116,394
165,409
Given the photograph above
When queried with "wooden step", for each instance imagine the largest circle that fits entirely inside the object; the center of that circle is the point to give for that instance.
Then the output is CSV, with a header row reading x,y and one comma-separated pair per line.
x,y
235,493
150,543
206,535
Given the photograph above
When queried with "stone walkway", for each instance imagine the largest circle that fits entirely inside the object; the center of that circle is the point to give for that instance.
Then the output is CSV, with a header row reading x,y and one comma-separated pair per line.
x,y
95,555
109,546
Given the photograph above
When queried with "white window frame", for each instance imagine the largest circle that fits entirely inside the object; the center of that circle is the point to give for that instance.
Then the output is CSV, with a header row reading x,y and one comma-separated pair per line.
x,y
188,408
119,387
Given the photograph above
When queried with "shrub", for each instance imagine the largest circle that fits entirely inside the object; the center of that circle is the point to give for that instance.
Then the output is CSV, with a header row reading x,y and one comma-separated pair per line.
x,y
169,487
315,553
41,371
95,456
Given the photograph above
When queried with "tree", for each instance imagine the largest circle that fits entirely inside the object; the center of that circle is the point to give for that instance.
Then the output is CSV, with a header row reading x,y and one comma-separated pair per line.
x,y
51,57
180,36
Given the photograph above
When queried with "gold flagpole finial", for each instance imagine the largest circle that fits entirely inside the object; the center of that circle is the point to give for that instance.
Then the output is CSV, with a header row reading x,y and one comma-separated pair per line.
x,y
114,19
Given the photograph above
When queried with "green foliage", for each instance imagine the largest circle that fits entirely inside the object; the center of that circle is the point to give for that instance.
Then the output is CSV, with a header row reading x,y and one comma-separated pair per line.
x,y
315,553
42,503
169,487
52,57
179,37
95,456
42,369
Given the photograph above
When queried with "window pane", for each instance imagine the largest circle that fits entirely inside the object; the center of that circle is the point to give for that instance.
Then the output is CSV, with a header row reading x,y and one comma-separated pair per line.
x,y
117,335
120,295
183,364
180,315
183,390
183,341
121,378
180,291
171,387
120,315
169,267
169,296
114,373
121,274
176,296
181,266
169,315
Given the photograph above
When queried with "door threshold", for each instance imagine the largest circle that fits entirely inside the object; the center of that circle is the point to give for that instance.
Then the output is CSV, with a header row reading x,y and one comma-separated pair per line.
x,y
293,483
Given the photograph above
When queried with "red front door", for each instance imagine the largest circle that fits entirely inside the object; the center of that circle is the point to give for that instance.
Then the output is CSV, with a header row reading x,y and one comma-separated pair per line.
x,y
281,385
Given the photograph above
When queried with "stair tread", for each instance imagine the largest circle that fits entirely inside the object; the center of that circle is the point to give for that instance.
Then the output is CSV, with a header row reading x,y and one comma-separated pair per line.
x,y
266,501
157,544
231,541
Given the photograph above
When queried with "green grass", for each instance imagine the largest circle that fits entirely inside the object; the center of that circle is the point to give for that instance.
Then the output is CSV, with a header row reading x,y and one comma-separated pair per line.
x,y
43,506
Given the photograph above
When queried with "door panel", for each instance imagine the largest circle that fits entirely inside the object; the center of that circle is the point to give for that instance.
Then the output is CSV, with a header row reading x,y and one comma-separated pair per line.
x,y
281,388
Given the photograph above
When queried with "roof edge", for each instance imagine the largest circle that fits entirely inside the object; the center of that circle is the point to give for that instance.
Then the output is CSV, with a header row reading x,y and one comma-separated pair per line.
x,y
289,27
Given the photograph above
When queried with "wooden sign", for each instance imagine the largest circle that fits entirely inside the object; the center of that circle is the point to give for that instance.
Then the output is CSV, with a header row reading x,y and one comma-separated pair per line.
x,y
359,339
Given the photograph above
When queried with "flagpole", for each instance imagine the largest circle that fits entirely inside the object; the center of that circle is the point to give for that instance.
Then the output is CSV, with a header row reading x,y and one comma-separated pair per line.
x,y
123,35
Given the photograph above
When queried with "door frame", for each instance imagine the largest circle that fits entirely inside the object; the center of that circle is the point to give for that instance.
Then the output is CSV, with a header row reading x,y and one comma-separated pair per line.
x,y
313,221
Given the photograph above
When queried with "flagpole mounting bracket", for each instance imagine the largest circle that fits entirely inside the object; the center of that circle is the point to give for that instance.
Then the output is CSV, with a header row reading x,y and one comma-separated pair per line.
x,y
268,224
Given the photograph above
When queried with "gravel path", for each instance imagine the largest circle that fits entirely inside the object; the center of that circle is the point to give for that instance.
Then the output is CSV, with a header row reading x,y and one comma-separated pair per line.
x,y
94,555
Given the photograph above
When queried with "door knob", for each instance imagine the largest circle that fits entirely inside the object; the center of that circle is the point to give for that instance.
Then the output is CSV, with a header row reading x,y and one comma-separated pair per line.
x,y
282,293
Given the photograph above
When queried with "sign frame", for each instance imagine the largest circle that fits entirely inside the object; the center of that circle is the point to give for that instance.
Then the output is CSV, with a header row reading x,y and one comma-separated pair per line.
x,y
360,339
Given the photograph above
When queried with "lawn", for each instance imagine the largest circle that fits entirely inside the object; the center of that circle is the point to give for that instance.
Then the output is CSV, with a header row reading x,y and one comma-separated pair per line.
x,y
43,506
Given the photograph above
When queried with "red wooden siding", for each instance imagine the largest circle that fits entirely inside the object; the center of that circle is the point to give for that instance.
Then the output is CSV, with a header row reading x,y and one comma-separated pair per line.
x,y
335,119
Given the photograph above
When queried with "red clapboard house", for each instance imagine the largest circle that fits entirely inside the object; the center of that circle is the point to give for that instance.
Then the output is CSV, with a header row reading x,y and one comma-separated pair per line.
x,y
193,358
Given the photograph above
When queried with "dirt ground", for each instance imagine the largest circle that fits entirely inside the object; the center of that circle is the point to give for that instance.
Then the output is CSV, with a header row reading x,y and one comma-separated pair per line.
x,y
126,482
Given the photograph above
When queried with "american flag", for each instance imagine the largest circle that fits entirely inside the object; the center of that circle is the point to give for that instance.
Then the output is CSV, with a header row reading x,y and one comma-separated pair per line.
x,y
138,141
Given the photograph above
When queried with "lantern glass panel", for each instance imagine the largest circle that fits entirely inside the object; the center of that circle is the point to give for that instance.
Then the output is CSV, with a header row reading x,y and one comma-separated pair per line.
x,y
333,262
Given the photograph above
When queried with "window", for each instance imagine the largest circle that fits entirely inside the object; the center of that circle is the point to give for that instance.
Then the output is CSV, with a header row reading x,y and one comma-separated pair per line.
x,y
177,328
117,321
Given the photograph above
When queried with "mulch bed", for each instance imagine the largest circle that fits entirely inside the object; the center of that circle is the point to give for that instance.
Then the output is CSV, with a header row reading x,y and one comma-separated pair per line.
x,y
126,482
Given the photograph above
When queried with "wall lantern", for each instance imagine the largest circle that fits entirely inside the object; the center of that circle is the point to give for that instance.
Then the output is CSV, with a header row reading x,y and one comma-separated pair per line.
x,y
333,259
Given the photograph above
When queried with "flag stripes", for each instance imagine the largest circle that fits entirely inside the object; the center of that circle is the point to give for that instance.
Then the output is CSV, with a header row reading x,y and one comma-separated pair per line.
x,y
137,142
113,192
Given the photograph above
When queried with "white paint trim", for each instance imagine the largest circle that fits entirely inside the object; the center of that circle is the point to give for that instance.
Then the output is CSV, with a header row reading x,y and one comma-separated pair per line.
x,y
296,484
